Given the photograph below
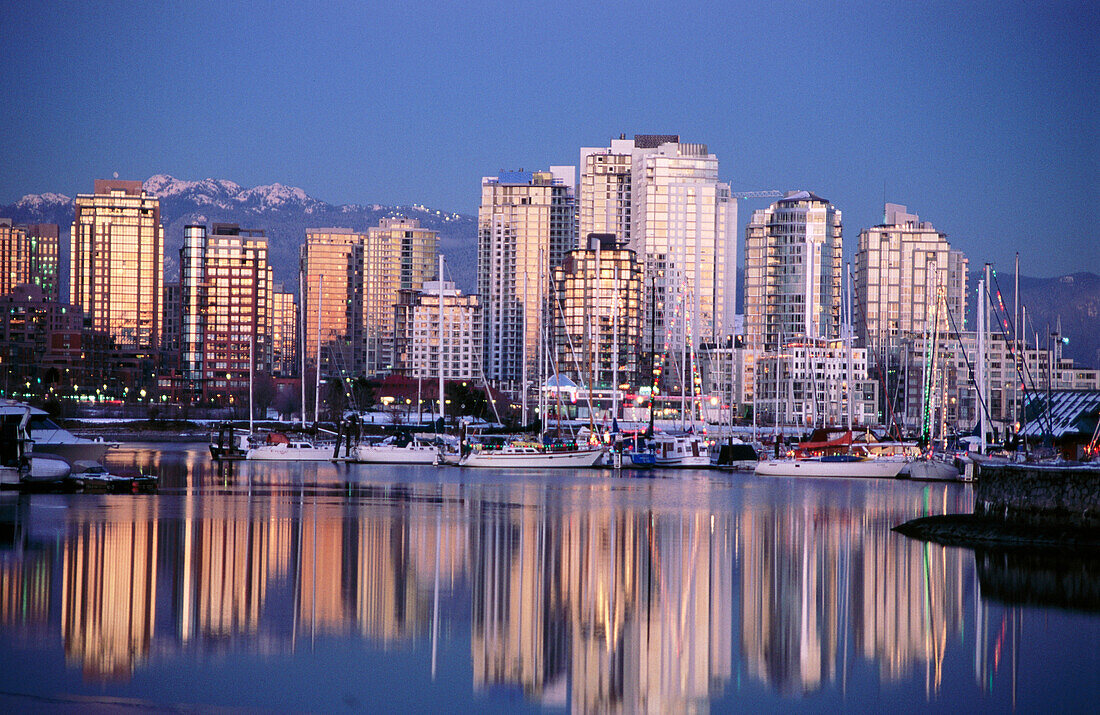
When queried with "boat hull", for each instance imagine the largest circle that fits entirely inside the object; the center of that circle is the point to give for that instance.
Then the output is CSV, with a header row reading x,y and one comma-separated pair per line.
x,y
79,450
389,454
687,462
47,468
932,470
279,453
534,460
866,469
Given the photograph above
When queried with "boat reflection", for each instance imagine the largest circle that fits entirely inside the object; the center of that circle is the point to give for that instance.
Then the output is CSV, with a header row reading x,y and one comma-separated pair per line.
x,y
599,594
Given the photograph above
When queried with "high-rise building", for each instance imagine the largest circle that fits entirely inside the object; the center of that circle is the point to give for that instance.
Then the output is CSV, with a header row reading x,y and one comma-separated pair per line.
x,y
29,254
424,355
225,290
399,255
906,276
598,314
603,202
526,226
353,279
793,271
663,197
332,299
117,262
284,332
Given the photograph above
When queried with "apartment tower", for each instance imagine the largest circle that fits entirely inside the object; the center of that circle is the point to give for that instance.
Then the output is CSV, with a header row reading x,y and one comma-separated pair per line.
x,y
906,275
526,227
116,271
225,290
598,313
793,271
29,254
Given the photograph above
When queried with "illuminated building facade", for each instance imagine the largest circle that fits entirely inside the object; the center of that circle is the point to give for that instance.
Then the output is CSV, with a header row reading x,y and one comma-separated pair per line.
x,y
284,333
399,255
354,278
526,226
813,384
44,343
793,271
117,263
594,285
419,333
332,302
226,285
603,203
29,254
683,228
901,267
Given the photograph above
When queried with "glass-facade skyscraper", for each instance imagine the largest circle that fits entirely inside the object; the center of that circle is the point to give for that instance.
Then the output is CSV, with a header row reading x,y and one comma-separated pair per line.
x,y
116,272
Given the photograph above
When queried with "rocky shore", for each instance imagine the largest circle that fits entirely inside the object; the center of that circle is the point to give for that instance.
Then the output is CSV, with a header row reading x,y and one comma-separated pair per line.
x,y
972,530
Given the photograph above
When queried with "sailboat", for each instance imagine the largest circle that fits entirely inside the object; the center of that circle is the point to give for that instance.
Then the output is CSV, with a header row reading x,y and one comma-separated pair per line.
x,y
279,447
933,465
521,454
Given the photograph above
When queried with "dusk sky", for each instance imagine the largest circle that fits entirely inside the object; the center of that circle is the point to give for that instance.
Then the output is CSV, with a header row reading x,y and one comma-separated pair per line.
x,y
981,117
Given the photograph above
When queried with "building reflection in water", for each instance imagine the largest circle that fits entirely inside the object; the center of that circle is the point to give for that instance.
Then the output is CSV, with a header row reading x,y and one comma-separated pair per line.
x,y
108,595
620,595
826,580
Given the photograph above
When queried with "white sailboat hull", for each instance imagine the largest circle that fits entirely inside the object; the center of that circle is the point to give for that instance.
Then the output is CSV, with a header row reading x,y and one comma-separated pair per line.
x,y
392,454
281,453
541,459
867,468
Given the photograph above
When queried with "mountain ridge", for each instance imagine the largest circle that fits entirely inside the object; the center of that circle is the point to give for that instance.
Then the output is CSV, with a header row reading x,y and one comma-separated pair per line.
x,y
284,213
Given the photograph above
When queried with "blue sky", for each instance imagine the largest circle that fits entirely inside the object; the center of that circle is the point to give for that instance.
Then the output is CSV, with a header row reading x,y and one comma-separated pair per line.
x,y
981,117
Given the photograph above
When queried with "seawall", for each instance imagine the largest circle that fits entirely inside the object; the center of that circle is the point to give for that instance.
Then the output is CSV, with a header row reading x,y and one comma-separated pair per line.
x,y
1039,494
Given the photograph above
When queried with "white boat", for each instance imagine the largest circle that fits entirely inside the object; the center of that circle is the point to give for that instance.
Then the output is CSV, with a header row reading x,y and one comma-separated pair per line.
x,y
839,465
389,452
684,450
46,468
50,438
532,455
293,451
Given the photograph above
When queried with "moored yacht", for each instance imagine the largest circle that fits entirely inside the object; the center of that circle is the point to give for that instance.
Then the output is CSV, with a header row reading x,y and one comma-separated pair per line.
x,y
392,451
681,450
278,447
50,438
532,455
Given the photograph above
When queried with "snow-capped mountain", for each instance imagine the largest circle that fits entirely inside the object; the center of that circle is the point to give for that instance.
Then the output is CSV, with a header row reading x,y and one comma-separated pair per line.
x,y
44,202
283,212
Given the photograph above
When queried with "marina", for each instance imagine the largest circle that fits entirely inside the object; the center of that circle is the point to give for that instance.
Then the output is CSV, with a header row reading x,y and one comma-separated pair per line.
x,y
331,586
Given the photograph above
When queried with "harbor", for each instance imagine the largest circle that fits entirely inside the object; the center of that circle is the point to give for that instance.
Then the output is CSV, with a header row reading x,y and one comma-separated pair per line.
x,y
329,586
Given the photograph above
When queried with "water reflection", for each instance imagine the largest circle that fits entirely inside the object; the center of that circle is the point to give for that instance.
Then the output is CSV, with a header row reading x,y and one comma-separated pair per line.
x,y
592,592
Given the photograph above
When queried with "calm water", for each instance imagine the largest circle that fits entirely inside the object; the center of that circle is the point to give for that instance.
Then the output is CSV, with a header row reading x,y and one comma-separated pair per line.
x,y
336,587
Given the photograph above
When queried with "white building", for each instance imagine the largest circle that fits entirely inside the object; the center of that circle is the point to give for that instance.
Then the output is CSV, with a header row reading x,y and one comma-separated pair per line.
x,y
526,227
460,348
664,198
907,280
793,271
812,384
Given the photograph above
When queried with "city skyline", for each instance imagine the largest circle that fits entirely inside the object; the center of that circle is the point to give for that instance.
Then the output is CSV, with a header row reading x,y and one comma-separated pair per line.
x,y
981,132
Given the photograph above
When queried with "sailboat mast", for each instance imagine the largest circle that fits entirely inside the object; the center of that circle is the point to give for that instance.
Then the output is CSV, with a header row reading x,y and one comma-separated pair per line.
x,y
523,379
302,289
1015,343
442,418
317,372
615,348
251,369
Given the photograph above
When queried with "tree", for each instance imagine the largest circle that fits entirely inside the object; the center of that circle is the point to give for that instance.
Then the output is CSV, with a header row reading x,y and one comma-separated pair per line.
x,y
263,394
